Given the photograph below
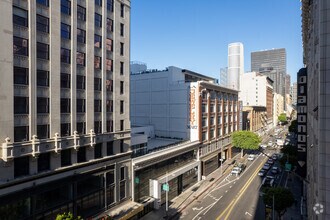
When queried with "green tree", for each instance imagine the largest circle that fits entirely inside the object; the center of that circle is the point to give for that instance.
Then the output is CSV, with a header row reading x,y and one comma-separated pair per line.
x,y
290,153
283,199
282,118
246,140
67,216
293,126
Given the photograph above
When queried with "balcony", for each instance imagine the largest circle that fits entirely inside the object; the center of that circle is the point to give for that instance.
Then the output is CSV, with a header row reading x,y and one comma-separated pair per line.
x,y
42,37
21,61
21,31
98,52
81,25
65,93
21,90
43,64
21,4
81,117
81,3
42,10
42,91
81,47
81,94
21,120
65,118
66,19
65,68
80,70
43,119
66,43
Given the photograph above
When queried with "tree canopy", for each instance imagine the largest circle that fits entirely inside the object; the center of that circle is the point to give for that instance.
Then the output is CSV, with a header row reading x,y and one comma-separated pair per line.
x,y
282,117
67,216
283,199
293,126
246,140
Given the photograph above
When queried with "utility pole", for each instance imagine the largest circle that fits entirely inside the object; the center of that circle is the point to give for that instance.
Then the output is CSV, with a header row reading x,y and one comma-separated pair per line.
x,y
273,207
166,192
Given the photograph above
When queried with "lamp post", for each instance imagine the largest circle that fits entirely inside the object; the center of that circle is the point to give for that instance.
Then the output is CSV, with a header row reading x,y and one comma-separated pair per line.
x,y
166,193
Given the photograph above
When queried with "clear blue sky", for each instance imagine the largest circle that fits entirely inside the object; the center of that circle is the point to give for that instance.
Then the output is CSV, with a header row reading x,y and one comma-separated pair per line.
x,y
194,34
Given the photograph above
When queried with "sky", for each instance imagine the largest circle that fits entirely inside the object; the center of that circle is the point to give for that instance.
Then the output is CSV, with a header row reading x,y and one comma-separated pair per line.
x,y
194,34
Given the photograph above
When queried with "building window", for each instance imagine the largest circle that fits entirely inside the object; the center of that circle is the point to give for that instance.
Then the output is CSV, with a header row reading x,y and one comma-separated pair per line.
x,y
66,158
122,29
109,44
43,2
97,105
109,106
98,2
204,110
65,80
80,58
42,51
65,31
212,120
65,129
109,85
121,125
211,133
122,49
97,41
97,84
204,136
122,10
42,24
81,155
42,78
204,122
110,5
81,82
21,76
81,13
81,105
109,148
21,166
20,17
121,68
97,62
122,146
109,65
109,24
122,190
42,105
43,162
121,87
98,20
98,127
121,107
219,132
65,56
43,131
21,133
98,150
81,36
219,120
21,46
21,105
66,7
110,126
65,105
81,127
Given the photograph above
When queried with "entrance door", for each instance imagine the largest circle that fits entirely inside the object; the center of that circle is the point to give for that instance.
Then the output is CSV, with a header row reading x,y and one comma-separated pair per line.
x,y
180,184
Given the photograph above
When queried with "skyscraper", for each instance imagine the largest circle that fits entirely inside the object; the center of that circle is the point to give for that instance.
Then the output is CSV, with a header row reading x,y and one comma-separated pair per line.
x,y
287,84
224,76
64,123
275,58
235,64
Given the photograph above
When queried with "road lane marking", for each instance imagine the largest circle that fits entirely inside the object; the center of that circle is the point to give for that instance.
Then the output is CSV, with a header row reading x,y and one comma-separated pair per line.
x,y
246,213
197,209
240,193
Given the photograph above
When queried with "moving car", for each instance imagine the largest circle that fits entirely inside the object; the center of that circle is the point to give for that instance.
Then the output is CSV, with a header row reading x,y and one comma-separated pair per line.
x,y
251,157
236,171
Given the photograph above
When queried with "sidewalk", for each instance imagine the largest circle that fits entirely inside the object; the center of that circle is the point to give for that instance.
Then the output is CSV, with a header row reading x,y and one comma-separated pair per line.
x,y
179,203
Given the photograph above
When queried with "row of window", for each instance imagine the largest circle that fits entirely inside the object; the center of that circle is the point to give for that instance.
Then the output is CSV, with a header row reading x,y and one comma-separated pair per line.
x,y
220,108
226,130
21,133
212,120
22,164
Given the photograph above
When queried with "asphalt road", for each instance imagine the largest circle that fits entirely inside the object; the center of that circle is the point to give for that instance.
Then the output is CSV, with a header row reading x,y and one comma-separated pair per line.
x,y
234,197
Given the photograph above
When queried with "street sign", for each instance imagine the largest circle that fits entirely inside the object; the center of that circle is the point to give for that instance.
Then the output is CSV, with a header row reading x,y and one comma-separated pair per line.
x,y
137,180
288,167
166,187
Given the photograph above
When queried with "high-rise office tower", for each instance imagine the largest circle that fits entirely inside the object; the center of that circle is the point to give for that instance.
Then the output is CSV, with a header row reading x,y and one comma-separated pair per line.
x,y
275,58
224,76
235,64
287,84
294,93
64,97
313,108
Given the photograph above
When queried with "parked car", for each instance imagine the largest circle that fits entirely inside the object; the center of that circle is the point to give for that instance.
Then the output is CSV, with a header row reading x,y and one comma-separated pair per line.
x,y
270,144
270,161
236,171
275,170
262,172
268,181
264,146
251,157
274,157
266,166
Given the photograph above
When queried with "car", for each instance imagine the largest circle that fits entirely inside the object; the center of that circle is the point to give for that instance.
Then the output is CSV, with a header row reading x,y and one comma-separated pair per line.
x,y
236,171
274,157
275,170
270,161
266,166
268,181
264,146
251,157
262,172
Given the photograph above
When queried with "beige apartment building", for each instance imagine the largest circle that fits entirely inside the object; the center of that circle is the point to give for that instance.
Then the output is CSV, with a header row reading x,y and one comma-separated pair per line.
x,y
64,97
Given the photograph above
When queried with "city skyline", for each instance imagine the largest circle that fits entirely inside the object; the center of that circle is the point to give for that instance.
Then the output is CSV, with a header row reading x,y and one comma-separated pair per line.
x,y
179,28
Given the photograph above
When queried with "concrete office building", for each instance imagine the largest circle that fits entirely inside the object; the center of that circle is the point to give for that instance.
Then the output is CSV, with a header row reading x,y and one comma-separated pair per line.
x,y
257,90
314,142
275,58
287,84
294,93
235,65
254,119
224,77
64,123
278,107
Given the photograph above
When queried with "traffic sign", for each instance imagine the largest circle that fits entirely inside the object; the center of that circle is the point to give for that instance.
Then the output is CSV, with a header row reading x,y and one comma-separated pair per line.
x,y
166,187
288,167
137,180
